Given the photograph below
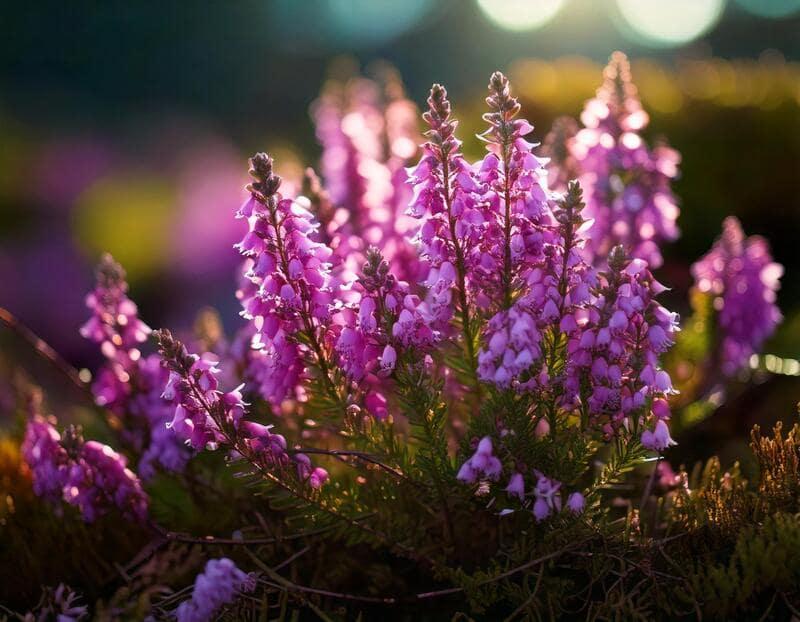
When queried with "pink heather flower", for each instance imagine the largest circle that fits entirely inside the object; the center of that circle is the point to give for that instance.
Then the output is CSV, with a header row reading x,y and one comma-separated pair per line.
x,y
46,457
89,475
739,274
516,486
548,497
388,359
135,394
613,361
658,439
445,200
207,417
289,289
627,184
413,325
666,477
558,289
483,463
99,479
192,421
275,369
220,584
316,477
130,385
375,403
514,205
576,503
367,141
542,428
660,408
271,449
562,166
115,323
513,345
382,320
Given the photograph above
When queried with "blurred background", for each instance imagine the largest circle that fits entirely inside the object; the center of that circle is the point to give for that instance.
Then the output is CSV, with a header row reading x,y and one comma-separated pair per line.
x,y
126,126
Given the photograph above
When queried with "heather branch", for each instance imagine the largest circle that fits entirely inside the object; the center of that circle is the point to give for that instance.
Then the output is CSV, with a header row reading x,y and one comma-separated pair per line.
x,y
442,137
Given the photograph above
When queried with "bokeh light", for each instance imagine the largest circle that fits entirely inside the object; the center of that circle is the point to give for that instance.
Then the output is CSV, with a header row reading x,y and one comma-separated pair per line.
x,y
130,217
359,24
770,8
664,24
367,20
520,15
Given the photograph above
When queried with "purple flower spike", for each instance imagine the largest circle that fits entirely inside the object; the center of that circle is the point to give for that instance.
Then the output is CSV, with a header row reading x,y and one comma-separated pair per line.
x,y
89,475
740,275
627,184
220,583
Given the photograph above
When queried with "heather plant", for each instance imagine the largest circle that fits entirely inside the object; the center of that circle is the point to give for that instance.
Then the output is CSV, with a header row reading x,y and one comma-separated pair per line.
x,y
449,395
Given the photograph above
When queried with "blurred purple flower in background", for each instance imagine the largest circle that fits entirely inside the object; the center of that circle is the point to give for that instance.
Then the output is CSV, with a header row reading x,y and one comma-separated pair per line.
x,y
740,275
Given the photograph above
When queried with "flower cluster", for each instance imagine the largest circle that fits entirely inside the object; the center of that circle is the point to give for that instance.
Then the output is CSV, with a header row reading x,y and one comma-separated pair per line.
x,y
129,384
740,275
115,323
614,362
558,289
548,498
86,474
497,349
367,140
207,418
627,183
445,199
288,287
513,344
485,465
516,196
46,457
220,583
384,318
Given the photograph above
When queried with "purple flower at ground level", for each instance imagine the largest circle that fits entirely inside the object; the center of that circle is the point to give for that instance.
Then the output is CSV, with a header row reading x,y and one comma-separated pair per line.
x,y
740,275
60,604
220,583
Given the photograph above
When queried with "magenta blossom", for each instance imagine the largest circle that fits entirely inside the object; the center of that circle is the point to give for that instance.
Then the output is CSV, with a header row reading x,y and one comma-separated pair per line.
x,y
89,475
739,274
627,184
